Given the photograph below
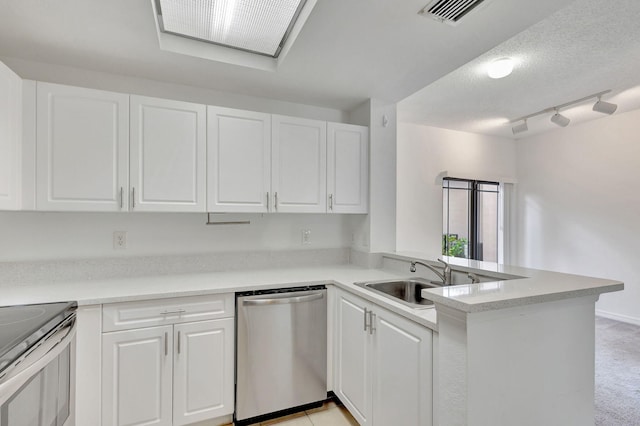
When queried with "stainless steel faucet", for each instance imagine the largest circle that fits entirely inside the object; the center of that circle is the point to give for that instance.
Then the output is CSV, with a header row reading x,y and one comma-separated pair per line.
x,y
445,275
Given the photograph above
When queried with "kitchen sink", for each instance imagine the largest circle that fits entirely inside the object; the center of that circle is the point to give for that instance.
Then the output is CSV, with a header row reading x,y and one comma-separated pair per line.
x,y
406,291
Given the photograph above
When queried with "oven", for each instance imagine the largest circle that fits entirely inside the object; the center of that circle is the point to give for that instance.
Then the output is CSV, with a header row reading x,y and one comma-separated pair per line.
x,y
37,365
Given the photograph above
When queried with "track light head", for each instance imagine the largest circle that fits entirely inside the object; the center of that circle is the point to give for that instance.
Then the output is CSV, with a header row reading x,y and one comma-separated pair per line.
x,y
604,107
560,119
519,128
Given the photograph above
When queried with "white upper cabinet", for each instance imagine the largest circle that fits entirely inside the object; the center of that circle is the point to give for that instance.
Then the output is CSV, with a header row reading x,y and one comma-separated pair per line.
x,y
299,165
347,168
10,138
82,145
239,160
167,155
110,152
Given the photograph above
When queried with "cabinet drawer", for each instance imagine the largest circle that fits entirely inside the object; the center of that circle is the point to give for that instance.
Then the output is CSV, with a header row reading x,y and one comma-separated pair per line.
x,y
149,313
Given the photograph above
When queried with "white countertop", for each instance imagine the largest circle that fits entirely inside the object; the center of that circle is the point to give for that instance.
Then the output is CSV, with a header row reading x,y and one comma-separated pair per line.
x,y
535,286
95,292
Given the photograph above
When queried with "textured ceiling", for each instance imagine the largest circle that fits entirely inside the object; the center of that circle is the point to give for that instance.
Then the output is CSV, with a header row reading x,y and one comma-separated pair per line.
x,y
587,47
348,51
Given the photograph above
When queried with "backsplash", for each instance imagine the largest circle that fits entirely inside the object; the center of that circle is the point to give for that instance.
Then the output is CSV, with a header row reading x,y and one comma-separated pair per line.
x,y
43,236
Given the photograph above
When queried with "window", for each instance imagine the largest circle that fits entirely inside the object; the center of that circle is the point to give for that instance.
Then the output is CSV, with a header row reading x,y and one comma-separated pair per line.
x,y
471,219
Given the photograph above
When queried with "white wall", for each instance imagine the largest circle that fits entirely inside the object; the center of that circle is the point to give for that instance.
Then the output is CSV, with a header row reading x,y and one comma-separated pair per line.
x,y
142,86
40,236
376,231
579,205
382,176
423,153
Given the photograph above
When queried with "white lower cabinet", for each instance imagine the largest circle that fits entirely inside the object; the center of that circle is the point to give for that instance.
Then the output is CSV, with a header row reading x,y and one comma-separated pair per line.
x,y
352,365
383,364
137,375
203,371
174,374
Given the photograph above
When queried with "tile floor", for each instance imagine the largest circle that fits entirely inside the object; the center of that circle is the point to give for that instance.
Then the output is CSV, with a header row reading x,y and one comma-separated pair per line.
x,y
330,414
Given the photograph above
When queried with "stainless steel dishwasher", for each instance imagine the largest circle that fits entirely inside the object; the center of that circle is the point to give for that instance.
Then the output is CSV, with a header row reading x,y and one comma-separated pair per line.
x,y
281,350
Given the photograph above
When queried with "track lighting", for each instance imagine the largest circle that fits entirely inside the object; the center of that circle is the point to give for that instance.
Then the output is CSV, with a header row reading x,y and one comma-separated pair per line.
x,y
604,107
560,119
519,128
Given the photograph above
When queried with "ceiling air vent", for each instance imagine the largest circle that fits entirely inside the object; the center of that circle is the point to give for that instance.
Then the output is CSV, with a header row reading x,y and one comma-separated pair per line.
x,y
449,11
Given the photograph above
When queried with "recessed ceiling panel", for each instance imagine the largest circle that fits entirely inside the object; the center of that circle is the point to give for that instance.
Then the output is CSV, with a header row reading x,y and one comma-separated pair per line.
x,y
259,26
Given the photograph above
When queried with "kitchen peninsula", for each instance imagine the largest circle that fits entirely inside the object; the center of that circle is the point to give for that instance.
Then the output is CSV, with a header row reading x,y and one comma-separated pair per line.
x,y
517,351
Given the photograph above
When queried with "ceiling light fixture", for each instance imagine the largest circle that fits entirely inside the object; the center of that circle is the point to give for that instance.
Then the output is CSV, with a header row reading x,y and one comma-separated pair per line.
x,y
500,68
258,34
604,107
519,128
561,120
259,26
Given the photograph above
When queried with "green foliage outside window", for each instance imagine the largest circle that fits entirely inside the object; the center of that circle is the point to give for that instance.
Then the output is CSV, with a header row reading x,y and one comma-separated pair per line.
x,y
454,246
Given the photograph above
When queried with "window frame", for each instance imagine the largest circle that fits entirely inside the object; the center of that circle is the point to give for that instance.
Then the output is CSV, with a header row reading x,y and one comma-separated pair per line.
x,y
474,190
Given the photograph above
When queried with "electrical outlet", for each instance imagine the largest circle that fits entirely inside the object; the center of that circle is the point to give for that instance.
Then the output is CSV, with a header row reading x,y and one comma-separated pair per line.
x,y
120,240
306,236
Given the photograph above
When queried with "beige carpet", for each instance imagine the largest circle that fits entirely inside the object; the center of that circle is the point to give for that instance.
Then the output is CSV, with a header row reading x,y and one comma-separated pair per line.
x,y
617,373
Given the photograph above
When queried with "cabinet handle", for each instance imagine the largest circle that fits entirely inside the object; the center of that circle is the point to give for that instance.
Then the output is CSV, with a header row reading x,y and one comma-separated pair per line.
x,y
268,201
178,342
121,197
179,311
330,201
365,319
372,318
133,198
275,202
166,343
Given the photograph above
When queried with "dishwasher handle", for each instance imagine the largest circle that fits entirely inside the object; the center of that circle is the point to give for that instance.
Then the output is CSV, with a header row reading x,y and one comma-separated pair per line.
x,y
283,300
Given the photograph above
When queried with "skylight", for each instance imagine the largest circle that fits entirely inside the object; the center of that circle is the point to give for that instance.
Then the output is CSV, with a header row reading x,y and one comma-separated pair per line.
x,y
256,26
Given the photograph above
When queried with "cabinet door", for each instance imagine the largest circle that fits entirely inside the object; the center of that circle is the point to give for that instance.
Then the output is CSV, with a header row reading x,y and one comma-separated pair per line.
x,y
168,155
238,160
82,145
299,165
402,371
203,370
10,138
352,361
347,168
136,377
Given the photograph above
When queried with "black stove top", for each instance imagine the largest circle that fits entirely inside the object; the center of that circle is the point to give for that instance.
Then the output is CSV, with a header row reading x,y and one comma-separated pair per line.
x,y
23,326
